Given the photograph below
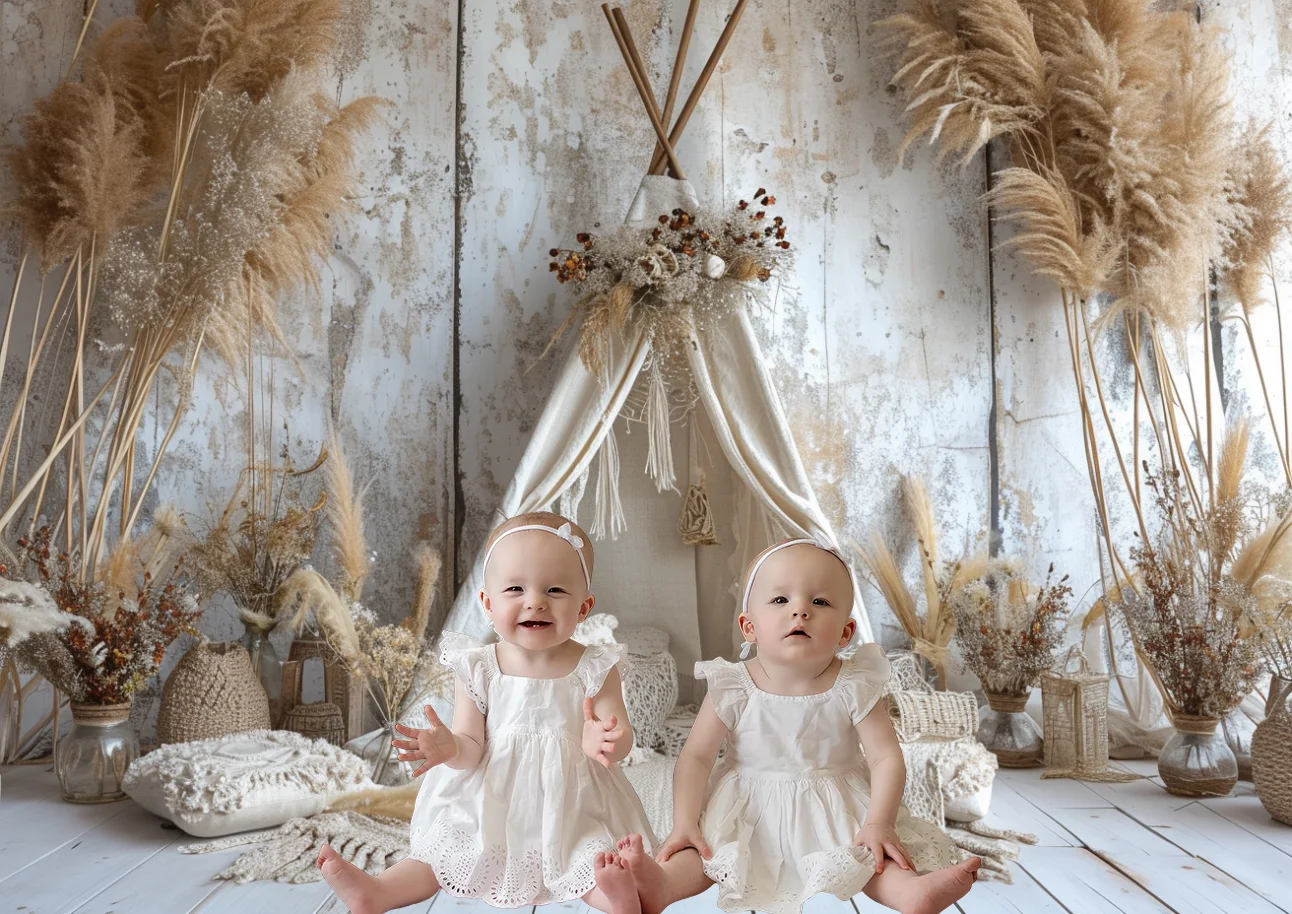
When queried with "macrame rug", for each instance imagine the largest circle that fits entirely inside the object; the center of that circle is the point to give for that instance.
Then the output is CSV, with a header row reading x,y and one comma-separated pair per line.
x,y
288,853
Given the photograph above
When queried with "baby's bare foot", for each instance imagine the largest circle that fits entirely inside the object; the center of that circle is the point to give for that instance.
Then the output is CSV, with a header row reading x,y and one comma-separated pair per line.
x,y
616,883
357,890
939,890
649,876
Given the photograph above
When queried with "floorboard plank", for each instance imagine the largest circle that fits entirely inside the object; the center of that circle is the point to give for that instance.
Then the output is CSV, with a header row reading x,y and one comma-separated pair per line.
x,y
80,869
1244,809
1054,793
169,881
1187,884
57,825
1233,850
264,897
1086,883
1009,809
1024,896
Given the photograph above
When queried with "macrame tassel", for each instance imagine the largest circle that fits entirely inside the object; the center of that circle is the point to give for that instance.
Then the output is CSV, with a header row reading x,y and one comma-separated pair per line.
x,y
696,522
659,454
609,510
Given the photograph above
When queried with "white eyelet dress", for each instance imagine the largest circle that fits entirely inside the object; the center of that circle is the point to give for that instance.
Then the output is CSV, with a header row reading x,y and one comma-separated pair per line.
x,y
786,801
523,826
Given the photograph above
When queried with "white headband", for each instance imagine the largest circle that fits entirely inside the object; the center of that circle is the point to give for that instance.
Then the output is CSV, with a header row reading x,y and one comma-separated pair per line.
x,y
565,532
753,572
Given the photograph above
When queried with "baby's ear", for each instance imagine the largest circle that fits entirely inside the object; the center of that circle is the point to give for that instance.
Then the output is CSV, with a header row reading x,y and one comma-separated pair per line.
x,y
585,608
746,625
484,600
849,629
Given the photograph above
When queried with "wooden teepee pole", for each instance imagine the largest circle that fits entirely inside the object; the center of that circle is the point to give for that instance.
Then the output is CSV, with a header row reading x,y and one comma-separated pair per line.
x,y
643,88
657,163
679,64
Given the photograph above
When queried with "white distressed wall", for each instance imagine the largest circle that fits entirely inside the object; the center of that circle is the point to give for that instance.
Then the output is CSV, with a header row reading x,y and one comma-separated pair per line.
x,y
901,344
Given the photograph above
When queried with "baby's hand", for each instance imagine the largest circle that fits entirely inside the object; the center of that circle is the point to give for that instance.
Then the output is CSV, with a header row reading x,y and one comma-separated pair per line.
x,y
600,737
883,842
434,745
680,839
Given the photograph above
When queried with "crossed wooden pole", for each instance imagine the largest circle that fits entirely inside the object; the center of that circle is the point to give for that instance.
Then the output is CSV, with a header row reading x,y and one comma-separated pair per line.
x,y
666,139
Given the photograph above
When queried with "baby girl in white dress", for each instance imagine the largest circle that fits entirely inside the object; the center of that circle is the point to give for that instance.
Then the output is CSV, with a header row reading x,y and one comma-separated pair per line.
x,y
523,798
788,811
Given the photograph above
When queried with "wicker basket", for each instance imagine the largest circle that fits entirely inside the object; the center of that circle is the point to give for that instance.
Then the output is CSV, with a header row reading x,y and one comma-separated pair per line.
x,y
212,692
1272,756
319,720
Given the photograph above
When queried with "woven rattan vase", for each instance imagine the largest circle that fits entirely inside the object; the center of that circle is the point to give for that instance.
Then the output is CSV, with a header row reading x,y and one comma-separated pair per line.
x,y
1272,753
212,692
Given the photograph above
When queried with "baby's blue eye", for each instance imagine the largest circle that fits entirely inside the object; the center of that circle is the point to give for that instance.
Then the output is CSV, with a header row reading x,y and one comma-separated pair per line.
x,y
514,588
555,590
820,601
780,600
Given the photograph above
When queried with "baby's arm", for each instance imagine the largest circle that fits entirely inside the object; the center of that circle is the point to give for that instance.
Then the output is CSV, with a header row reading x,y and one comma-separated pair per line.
x,y
461,747
887,784
607,735
690,775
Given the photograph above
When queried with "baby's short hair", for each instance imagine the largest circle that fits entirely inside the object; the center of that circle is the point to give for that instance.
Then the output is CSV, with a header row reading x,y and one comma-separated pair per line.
x,y
546,519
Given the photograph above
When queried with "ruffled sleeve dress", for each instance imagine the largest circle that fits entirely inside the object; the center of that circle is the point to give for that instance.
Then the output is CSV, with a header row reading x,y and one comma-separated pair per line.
x,y
786,801
523,826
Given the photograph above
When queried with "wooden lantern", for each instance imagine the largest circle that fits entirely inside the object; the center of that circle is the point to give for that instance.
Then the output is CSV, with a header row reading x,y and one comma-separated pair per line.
x,y
1074,707
339,691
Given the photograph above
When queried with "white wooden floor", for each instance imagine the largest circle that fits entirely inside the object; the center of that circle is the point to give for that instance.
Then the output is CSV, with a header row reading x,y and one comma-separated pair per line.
x,y
1103,847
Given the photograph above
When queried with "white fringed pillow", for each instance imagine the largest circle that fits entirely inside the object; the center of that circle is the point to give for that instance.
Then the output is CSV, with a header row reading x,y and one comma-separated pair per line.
x,y
242,782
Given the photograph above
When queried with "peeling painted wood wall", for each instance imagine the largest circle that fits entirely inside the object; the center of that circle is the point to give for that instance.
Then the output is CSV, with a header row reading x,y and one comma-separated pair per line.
x,y
901,344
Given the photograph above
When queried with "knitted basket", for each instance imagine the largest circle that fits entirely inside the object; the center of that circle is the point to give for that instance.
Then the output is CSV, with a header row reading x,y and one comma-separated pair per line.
x,y
1272,760
212,692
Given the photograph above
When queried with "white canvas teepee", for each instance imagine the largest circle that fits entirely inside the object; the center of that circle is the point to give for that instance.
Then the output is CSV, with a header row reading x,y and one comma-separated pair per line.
x,y
648,576
739,400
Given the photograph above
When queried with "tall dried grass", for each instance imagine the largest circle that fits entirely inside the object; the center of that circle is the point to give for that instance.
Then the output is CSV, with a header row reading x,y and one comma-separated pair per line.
x,y
1127,180
175,187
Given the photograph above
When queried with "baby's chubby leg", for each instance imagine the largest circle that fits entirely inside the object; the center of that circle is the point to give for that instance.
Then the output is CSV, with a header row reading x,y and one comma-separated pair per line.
x,y
405,883
905,891
661,884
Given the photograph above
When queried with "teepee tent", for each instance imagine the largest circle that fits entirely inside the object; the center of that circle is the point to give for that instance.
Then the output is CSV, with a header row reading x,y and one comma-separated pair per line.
x,y
649,576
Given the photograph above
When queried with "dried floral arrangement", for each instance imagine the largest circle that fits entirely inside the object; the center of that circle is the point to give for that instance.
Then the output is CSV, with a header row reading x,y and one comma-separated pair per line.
x,y
168,191
264,534
1008,632
931,633
383,657
1190,615
116,631
670,278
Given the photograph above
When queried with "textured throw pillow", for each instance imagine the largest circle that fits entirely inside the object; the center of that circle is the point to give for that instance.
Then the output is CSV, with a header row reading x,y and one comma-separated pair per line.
x,y
242,782
597,629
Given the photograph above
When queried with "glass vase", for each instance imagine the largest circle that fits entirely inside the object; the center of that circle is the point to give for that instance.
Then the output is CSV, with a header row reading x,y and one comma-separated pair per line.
x,y
268,667
10,705
92,760
1197,761
1007,730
